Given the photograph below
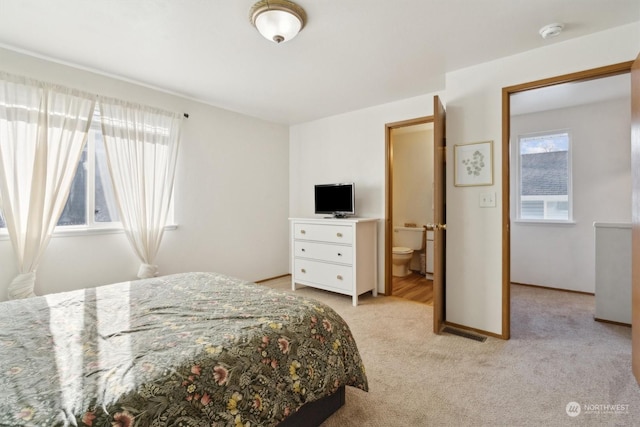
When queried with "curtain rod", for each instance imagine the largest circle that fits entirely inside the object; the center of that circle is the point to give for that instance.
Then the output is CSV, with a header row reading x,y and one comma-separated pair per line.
x,y
4,74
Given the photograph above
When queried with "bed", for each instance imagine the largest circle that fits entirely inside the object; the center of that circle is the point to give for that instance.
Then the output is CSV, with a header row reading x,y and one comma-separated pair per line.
x,y
191,349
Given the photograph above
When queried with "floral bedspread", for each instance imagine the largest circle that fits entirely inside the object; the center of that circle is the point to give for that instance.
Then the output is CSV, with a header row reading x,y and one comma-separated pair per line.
x,y
192,349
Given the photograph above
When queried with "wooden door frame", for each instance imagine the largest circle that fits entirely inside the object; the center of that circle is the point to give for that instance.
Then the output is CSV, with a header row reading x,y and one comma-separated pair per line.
x,y
388,229
635,219
594,73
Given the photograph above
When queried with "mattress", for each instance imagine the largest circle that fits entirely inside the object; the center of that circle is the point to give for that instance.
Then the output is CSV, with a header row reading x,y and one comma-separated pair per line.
x,y
191,349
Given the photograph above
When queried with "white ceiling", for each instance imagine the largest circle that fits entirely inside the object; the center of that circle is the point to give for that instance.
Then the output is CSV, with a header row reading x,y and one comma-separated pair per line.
x,y
352,53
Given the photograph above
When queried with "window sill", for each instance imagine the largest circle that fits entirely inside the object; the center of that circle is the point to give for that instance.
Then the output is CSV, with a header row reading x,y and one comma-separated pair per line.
x,y
84,231
543,222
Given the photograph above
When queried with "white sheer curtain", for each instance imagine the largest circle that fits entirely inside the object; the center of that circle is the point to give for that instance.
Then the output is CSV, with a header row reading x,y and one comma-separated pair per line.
x,y
43,129
142,148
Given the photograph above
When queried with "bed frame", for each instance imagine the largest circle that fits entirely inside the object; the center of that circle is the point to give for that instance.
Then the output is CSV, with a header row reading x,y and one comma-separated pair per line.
x,y
313,414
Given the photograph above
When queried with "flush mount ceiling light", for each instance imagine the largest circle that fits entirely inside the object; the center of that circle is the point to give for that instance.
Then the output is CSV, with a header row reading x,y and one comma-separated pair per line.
x,y
278,20
551,30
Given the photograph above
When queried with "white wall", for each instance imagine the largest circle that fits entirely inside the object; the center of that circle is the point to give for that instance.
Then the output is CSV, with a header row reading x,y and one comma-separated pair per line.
x,y
351,147
348,147
560,255
231,195
474,96
412,176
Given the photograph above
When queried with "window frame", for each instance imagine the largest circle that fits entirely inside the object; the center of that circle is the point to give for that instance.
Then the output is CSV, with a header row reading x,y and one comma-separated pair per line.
x,y
92,226
517,196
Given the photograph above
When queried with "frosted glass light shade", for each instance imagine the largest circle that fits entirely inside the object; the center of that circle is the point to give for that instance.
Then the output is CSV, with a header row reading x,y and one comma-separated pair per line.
x,y
278,26
278,20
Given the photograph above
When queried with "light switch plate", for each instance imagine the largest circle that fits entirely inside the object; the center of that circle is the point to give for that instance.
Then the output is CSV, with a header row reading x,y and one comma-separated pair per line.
x,y
488,200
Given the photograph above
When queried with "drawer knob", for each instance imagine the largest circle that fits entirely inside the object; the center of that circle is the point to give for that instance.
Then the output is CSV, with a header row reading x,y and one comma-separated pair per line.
x,y
303,250
339,254
339,277
303,270
339,234
303,232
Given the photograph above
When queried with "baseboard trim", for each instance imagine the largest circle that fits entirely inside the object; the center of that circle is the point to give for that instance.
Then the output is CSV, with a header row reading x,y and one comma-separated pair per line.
x,y
554,289
273,278
477,331
612,322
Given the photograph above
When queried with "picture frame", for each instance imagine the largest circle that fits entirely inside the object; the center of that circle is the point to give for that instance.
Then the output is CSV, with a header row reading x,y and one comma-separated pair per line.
x,y
473,164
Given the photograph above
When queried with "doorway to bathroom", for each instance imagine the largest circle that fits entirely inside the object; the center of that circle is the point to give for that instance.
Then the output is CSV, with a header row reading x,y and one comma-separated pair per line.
x,y
411,182
437,182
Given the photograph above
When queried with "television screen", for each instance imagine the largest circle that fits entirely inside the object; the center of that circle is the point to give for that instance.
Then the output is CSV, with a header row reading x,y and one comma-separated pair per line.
x,y
335,199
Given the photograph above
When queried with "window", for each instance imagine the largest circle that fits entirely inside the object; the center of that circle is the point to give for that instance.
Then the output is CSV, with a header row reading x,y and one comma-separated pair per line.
x,y
91,201
543,186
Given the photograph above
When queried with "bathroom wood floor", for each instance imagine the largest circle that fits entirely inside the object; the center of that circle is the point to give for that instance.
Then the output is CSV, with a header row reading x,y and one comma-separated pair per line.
x,y
414,287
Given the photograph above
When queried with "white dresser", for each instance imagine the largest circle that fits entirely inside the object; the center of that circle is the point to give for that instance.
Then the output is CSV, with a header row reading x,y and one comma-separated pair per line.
x,y
338,255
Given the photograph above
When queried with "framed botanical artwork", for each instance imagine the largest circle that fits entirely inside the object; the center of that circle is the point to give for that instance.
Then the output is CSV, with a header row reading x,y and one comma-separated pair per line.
x,y
473,164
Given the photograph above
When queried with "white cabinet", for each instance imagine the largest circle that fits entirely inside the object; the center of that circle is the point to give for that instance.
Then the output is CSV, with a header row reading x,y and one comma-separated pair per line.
x,y
338,255
429,254
613,272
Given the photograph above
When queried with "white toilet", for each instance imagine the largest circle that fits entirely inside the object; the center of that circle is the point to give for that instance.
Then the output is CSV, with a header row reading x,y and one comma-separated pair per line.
x,y
405,241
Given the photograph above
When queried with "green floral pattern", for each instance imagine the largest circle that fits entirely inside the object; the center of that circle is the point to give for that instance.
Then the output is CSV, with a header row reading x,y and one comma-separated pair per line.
x,y
191,349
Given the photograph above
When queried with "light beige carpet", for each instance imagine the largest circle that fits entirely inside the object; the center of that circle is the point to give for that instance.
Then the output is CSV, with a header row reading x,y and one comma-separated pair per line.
x,y
557,355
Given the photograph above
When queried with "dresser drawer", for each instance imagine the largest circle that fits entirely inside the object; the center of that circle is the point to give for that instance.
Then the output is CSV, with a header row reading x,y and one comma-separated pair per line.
x,y
339,277
324,251
324,233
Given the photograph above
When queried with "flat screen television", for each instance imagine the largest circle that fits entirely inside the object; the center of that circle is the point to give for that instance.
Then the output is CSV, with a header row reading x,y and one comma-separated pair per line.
x,y
337,200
